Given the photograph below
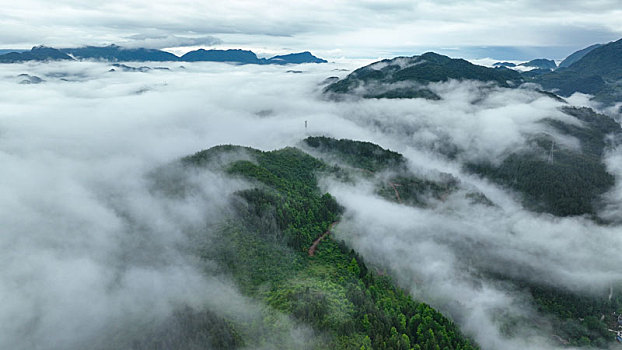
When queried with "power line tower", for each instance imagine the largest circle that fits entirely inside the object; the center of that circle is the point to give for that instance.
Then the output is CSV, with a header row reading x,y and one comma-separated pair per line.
x,y
550,160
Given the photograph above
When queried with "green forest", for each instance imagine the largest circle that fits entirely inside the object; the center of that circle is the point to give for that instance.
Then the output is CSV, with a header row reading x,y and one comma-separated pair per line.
x,y
415,71
266,249
578,320
264,245
553,178
349,305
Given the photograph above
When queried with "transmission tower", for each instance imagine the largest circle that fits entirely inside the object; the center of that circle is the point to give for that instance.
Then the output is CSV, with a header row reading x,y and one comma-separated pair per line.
x,y
551,151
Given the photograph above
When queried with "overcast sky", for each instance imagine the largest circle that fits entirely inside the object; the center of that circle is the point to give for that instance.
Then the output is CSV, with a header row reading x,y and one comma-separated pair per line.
x,y
333,29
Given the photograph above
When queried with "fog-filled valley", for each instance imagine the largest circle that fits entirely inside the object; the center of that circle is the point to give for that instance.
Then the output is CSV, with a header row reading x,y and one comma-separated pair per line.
x,y
116,233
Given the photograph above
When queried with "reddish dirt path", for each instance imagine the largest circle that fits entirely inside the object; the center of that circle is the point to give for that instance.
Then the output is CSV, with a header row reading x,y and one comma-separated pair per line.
x,y
397,194
317,241
394,185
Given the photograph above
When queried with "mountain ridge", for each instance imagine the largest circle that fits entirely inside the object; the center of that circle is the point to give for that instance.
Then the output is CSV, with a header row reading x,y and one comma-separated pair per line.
x,y
403,77
115,53
37,53
577,55
598,72
540,63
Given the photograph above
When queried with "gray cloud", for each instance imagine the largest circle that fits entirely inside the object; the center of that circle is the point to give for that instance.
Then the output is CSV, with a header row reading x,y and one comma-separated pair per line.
x,y
334,29
164,41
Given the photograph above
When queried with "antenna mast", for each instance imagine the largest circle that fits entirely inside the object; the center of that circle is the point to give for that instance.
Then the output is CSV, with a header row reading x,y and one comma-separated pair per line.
x,y
550,160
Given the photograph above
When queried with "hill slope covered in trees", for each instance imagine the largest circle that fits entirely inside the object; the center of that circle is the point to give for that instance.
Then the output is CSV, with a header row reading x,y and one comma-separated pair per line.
x,y
265,247
405,77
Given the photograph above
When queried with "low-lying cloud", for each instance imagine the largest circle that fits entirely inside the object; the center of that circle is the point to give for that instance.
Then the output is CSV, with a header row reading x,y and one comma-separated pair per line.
x,y
87,243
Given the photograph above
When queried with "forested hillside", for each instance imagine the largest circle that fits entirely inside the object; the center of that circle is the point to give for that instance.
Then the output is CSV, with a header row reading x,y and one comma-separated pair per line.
x,y
595,70
576,319
405,77
266,248
554,178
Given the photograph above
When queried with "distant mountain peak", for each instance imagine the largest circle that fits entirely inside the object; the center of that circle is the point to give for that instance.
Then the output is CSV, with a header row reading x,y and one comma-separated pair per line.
x,y
37,53
116,53
406,77
229,55
597,72
504,64
540,63
577,55
299,57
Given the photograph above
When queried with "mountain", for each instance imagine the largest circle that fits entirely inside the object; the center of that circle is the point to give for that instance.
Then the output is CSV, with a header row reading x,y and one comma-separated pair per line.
x,y
29,79
565,182
118,53
5,51
577,55
37,53
235,55
504,64
557,179
540,63
576,172
295,58
142,69
272,247
405,77
248,57
604,61
278,249
531,74
598,73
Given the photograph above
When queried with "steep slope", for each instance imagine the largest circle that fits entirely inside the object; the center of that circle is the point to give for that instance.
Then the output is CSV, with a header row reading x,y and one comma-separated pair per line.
x,y
576,319
118,53
554,178
577,55
405,77
265,248
598,72
604,61
566,82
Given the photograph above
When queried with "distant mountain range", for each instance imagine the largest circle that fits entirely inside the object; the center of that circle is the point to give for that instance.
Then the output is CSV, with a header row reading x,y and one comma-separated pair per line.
x,y
574,57
119,54
540,63
504,64
37,53
595,70
577,178
405,77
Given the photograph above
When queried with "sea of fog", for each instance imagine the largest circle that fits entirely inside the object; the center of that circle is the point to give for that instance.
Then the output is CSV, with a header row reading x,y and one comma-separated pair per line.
x,y
87,247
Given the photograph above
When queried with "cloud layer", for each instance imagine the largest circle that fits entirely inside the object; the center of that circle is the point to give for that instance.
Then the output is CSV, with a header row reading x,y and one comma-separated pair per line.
x,y
88,245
